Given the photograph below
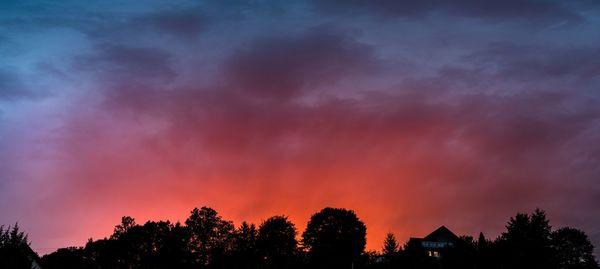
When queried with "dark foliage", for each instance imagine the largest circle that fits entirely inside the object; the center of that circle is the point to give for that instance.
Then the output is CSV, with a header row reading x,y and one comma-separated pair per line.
x,y
277,243
334,238
526,243
210,237
244,253
68,258
573,249
14,248
391,251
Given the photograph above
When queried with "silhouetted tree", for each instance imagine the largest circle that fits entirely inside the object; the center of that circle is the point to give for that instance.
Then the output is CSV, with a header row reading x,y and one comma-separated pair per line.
x,y
526,243
127,223
210,236
372,259
176,252
277,243
390,250
14,248
461,255
573,249
482,242
335,238
484,258
153,245
67,258
244,253
104,253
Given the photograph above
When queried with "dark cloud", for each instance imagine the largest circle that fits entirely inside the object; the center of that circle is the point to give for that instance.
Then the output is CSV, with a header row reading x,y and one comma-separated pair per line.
x,y
187,24
543,12
284,67
500,147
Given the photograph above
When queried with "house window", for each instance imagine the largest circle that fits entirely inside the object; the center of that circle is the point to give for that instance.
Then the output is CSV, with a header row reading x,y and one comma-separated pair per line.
x,y
433,253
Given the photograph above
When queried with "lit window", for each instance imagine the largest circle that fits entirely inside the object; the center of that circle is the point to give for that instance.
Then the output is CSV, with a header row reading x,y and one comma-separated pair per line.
x,y
433,253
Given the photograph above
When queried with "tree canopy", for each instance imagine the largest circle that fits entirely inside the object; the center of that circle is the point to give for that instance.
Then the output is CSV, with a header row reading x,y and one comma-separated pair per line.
x,y
14,248
277,243
526,242
573,249
210,236
333,238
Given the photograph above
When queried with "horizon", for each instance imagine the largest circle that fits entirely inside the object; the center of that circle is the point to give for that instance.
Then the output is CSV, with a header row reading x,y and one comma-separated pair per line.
x,y
414,115
300,227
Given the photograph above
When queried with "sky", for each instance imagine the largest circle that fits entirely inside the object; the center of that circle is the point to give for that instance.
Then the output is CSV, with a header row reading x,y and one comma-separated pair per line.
x,y
413,114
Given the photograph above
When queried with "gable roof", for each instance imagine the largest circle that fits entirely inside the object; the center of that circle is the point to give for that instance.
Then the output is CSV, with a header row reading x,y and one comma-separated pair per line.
x,y
442,234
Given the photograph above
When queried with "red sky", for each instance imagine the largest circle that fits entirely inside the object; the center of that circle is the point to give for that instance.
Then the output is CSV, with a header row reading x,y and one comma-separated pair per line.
x,y
415,116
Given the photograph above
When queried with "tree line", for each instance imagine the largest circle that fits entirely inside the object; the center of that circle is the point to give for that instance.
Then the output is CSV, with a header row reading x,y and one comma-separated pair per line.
x,y
333,238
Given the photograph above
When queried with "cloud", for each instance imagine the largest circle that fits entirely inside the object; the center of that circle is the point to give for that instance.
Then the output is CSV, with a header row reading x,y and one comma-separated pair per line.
x,y
536,12
255,111
346,152
186,24
252,134
285,67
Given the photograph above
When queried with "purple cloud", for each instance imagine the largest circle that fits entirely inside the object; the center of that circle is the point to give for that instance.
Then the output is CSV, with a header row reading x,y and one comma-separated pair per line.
x,y
285,67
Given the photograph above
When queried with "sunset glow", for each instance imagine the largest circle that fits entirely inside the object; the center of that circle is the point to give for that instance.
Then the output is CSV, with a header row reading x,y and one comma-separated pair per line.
x,y
414,116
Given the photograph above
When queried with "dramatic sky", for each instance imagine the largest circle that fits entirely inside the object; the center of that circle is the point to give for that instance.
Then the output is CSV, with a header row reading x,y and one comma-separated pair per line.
x,y
415,114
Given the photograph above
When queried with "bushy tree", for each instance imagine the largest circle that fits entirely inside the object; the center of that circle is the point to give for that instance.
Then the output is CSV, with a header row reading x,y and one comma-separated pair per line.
x,y
334,238
67,258
210,236
127,223
176,250
526,243
573,249
14,248
152,245
277,243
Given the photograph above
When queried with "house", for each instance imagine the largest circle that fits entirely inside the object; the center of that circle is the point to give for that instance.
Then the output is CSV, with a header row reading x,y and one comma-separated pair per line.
x,y
434,245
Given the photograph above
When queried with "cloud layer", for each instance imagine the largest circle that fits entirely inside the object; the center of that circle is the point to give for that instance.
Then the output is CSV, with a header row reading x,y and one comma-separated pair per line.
x,y
414,115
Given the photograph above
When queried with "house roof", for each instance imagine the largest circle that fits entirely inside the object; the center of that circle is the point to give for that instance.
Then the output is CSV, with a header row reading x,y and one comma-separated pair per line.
x,y
442,234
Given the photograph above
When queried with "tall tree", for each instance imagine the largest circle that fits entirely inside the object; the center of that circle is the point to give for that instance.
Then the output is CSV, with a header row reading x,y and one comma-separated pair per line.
x,y
484,257
244,253
390,250
210,236
277,242
390,246
14,248
335,238
526,243
482,243
573,249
